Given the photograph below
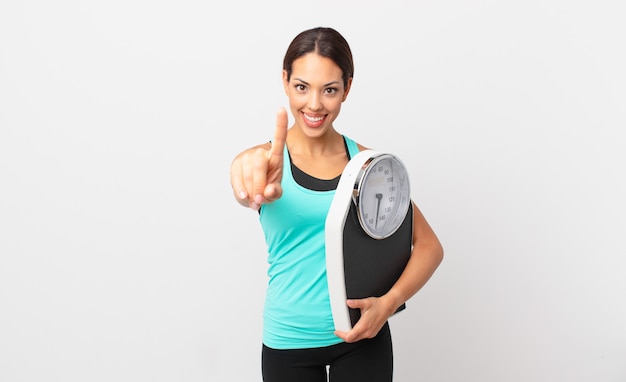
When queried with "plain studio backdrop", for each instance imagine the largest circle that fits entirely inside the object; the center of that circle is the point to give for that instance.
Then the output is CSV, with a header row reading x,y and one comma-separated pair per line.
x,y
124,257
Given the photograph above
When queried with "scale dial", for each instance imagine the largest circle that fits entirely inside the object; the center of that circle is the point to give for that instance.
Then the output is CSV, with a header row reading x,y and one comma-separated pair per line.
x,y
382,195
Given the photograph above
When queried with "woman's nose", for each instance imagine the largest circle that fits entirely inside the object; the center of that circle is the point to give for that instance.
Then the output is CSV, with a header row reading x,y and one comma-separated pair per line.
x,y
315,102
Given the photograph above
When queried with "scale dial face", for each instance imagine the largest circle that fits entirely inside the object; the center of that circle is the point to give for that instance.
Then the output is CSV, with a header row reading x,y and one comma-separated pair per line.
x,y
382,195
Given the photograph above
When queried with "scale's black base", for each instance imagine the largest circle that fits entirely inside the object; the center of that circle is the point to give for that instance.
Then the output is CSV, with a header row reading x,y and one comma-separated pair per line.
x,y
372,266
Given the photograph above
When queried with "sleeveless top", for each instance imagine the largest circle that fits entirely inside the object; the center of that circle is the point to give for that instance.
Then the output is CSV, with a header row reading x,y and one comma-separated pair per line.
x,y
297,310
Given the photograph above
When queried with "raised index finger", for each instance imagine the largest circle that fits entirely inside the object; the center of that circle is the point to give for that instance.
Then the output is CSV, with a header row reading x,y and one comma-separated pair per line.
x,y
280,135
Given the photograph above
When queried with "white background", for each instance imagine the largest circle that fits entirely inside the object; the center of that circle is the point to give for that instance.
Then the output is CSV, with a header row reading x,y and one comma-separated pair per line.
x,y
123,256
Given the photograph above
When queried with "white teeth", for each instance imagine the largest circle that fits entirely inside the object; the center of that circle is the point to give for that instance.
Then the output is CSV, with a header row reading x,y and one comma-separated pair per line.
x,y
312,119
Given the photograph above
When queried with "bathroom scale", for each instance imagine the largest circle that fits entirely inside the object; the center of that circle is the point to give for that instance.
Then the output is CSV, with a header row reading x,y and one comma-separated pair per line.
x,y
369,232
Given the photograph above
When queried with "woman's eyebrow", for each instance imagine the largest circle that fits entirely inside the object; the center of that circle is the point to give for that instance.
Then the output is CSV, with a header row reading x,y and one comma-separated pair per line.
x,y
306,83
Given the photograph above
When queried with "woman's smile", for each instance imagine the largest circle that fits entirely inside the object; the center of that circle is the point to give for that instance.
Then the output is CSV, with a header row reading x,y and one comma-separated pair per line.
x,y
313,121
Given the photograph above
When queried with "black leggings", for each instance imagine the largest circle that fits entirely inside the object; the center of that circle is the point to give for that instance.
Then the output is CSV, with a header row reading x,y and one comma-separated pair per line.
x,y
366,360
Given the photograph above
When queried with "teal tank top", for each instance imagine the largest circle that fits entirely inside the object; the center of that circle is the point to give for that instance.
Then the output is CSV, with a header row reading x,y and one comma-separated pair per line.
x,y
297,310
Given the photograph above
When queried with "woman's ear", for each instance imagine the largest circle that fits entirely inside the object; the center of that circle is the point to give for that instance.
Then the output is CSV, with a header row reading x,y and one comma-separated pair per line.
x,y
348,86
286,82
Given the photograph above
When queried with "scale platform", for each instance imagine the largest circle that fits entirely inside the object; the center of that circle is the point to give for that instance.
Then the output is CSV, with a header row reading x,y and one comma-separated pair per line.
x,y
359,266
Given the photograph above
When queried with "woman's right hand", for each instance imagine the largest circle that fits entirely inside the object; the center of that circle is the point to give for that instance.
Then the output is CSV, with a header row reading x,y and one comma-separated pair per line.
x,y
256,173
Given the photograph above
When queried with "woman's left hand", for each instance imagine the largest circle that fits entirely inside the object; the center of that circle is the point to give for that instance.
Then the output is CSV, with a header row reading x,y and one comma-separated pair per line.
x,y
374,313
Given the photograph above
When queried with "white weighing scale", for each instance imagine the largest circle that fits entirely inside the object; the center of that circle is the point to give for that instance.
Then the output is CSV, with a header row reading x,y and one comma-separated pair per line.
x,y
369,232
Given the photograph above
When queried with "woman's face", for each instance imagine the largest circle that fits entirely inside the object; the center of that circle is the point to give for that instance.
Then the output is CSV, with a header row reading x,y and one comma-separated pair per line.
x,y
315,93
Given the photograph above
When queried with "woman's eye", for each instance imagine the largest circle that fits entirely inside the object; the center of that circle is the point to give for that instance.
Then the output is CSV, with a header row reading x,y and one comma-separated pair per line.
x,y
300,87
331,90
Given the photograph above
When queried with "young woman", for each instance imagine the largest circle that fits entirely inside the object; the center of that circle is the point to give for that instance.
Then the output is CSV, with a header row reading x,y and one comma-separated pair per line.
x,y
290,181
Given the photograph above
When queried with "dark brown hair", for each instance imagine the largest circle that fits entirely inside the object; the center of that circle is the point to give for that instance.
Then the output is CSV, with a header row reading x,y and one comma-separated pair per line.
x,y
326,42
